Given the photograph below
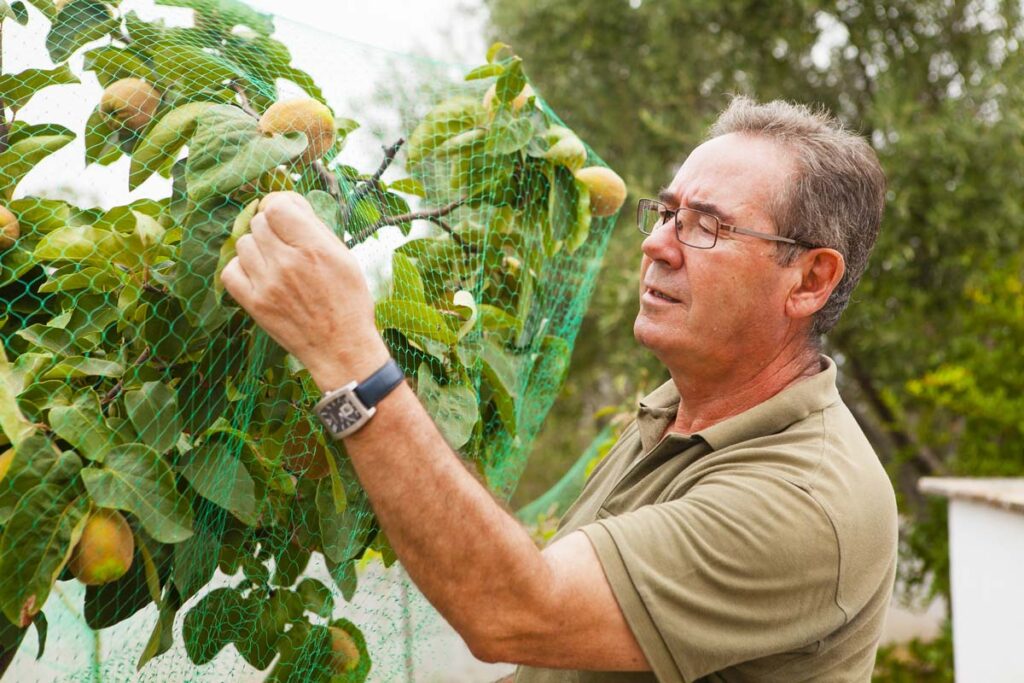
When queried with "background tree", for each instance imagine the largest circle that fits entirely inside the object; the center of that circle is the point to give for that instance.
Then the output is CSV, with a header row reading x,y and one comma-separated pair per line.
x,y
929,350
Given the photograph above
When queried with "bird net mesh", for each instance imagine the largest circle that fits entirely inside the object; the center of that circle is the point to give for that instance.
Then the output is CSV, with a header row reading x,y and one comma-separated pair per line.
x,y
169,508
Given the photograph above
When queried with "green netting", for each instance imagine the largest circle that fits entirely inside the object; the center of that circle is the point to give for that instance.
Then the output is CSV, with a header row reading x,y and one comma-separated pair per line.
x,y
166,497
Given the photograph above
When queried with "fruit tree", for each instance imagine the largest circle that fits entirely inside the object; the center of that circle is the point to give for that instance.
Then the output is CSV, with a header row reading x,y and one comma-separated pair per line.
x,y
151,437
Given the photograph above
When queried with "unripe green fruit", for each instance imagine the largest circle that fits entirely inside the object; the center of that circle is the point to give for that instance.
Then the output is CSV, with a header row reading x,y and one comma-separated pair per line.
x,y
344,651
130,103
305,116
566,148
607,189
10,230
105,551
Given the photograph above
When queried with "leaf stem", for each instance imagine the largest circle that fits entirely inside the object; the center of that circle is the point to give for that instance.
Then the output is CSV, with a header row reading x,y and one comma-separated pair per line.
x,y
243,100
117,388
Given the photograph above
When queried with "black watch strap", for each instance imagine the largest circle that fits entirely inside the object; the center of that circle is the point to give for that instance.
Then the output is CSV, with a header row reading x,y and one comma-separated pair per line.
x,y
378,385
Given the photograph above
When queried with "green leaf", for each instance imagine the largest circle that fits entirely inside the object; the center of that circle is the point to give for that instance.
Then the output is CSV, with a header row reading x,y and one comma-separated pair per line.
x,y
162,638
12,423
580,229
77,367
496,49
326,209
408,186
228,151
447,119
414,319
134,478
511,82
221,477
22,156
227,250
213,623
343,533
509,136
189,69
453,407
292,561
36,544
101,143
157,151
36,461
502,375
406,283
81,243
83,425
485,71
316,597
17,89
203,234
153,411
80,22
53,339
111,64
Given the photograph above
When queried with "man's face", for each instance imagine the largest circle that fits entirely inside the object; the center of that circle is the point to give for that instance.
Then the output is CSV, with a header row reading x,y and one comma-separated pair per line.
x,y
727,302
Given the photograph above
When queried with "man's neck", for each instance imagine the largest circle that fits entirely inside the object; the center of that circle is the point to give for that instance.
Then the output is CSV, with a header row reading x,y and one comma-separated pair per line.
x,y
707,398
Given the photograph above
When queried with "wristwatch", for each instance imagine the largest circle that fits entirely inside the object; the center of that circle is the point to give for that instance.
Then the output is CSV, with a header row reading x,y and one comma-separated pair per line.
x,y
344,411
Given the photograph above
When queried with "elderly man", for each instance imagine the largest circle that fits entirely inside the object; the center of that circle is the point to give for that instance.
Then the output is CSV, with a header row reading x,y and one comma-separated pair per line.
x,y
742,529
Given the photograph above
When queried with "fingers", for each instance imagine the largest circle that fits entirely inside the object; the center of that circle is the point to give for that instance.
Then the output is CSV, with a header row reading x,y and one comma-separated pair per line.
x,y
237,282
290,217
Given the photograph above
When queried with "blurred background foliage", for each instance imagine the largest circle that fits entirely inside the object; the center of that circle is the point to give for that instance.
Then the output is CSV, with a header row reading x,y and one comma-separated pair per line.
x,y
930,349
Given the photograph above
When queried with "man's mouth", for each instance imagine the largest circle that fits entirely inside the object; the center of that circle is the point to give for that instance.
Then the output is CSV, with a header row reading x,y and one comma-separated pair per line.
x,y
661,295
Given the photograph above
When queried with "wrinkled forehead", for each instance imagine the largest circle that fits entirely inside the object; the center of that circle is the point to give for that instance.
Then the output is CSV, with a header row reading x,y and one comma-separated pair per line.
x,y
734,172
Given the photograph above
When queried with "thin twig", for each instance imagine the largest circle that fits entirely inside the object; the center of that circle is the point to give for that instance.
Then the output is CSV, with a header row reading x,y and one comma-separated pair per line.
x,y
430,215
243,100
370,184
116,389
330,180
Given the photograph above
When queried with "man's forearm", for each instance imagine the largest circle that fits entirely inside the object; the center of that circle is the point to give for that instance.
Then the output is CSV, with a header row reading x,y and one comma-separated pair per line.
x,y
469,557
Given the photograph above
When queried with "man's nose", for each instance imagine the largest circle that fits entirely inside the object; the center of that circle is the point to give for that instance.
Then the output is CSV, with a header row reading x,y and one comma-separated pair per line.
x,y
662,245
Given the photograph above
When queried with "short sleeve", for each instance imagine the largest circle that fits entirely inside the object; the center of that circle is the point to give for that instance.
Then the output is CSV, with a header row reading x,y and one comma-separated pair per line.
x,y
743,566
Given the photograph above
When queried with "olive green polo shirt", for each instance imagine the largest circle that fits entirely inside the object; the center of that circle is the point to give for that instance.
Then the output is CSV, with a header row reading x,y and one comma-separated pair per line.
x,y
762,548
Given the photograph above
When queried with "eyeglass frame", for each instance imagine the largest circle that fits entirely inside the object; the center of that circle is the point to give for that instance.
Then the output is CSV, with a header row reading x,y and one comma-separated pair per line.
x,y
718,222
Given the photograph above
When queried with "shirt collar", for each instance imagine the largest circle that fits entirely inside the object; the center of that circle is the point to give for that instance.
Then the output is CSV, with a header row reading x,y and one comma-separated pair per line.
x,y
792,404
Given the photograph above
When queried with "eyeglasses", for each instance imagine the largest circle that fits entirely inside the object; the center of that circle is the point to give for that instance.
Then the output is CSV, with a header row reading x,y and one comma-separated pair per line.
x,y
695,228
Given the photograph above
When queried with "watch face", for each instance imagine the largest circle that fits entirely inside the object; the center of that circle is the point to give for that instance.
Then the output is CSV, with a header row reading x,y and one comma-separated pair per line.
x,y
342,414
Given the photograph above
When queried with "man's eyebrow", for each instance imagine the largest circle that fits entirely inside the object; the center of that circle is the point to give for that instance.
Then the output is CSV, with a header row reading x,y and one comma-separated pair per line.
x,y
669,199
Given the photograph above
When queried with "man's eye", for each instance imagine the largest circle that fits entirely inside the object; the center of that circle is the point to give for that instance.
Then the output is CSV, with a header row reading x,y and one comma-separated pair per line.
x,y
706,224
666,216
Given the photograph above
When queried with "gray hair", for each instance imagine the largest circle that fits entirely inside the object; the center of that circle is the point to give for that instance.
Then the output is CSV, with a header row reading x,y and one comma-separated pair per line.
x,y
837,198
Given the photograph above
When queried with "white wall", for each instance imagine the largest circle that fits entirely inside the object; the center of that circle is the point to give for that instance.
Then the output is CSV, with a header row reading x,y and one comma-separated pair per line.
x,y
987,555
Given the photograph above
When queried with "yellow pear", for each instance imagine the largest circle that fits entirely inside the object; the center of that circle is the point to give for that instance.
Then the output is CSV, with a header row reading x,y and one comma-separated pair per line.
x,y
10,230
305,116
607,189
566,148
130,103
105,551
344,651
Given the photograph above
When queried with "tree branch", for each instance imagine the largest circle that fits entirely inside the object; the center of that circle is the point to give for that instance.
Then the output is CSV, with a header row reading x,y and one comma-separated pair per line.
x,y
370,184
430,215
243,100
330,181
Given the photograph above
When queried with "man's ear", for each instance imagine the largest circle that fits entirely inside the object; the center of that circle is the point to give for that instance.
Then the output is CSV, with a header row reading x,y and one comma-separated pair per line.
x,y
820,271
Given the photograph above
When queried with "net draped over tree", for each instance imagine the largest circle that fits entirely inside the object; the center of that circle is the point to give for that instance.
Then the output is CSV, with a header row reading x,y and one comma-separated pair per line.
x,y
159,449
